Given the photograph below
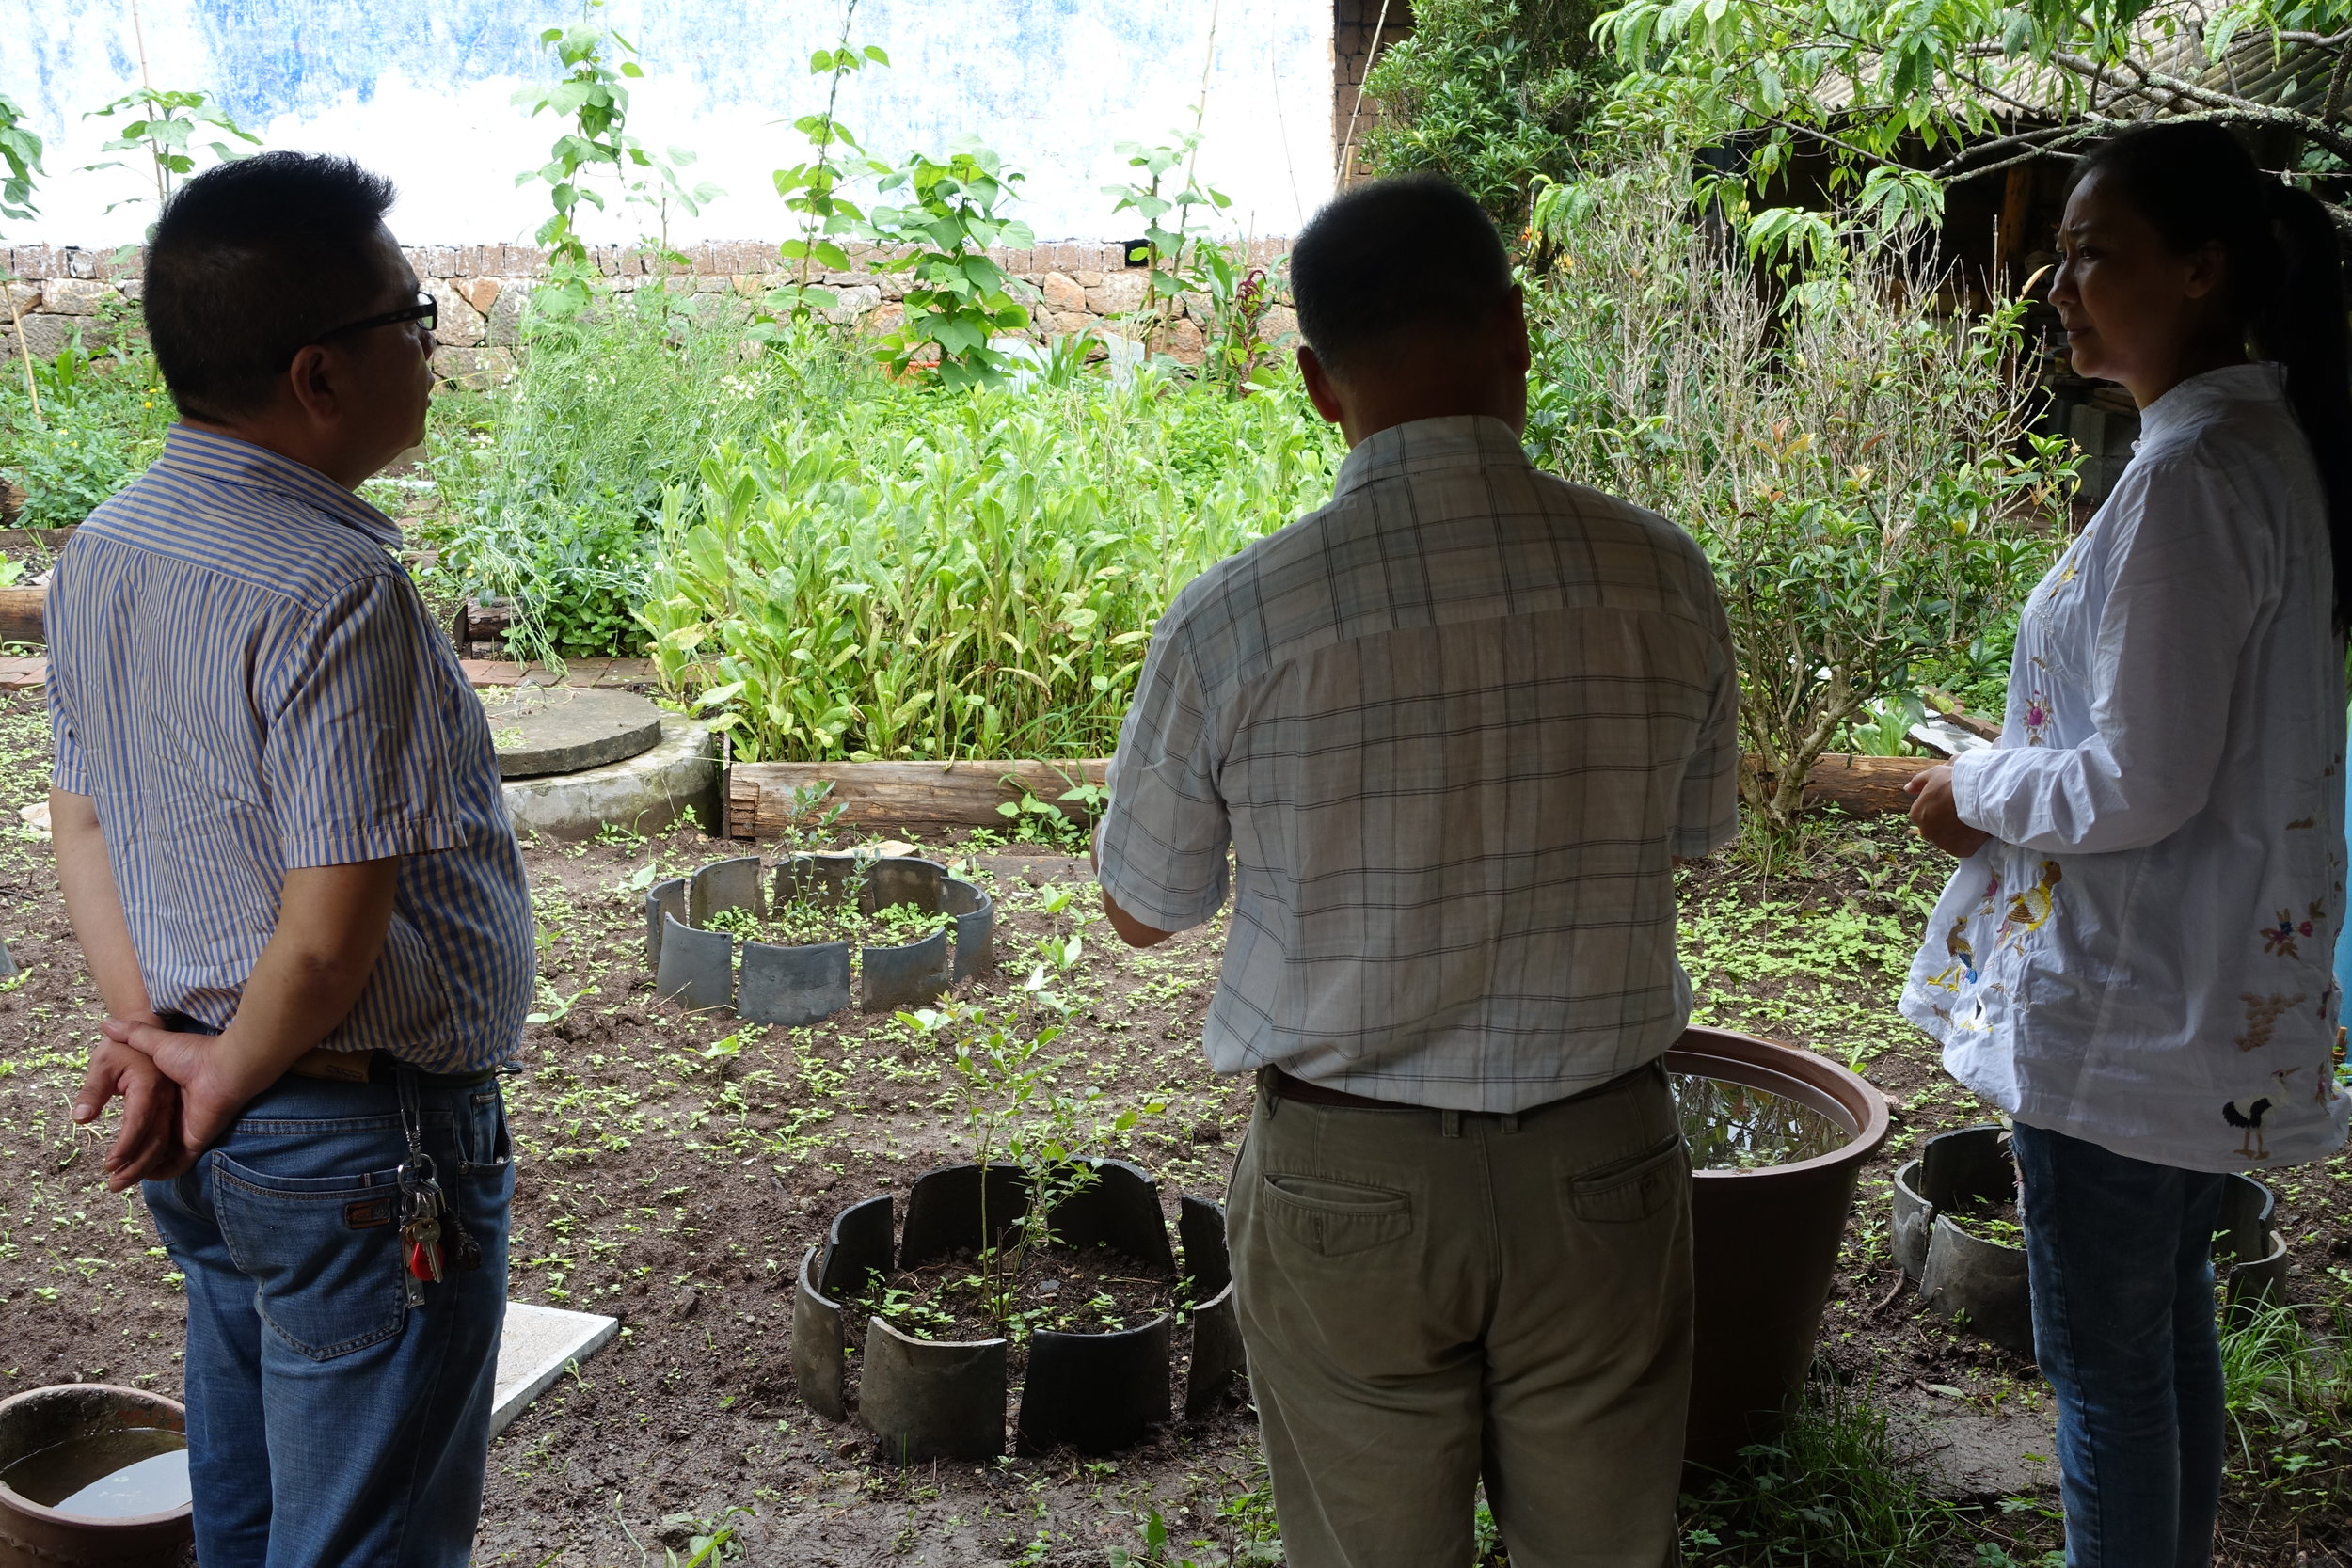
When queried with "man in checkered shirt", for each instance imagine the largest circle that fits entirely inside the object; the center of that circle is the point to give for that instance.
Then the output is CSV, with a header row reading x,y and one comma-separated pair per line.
x,y
1456,728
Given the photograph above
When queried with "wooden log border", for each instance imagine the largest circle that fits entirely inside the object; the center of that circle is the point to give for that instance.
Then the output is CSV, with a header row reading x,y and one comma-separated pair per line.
x,y
918,798
23,616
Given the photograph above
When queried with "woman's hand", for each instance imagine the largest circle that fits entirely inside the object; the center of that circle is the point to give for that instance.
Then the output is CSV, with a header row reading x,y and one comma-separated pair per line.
x,y
1936,814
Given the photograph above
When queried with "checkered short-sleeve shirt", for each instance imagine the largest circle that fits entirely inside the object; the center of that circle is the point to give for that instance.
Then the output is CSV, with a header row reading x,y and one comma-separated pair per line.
x,y
1453,727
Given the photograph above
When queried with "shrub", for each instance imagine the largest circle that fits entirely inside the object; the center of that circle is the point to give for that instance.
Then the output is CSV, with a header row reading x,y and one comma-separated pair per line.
x,y
1856,460
1491,93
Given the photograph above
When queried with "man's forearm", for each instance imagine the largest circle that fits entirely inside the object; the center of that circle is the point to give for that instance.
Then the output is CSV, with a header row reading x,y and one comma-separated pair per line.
x,y
331,923
94,906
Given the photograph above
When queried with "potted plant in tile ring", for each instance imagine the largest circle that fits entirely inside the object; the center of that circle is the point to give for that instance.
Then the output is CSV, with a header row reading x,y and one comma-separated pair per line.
x,y
1037,1265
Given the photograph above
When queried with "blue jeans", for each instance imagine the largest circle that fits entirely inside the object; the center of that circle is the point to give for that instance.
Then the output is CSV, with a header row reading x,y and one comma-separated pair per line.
x,y
330,1423
2120,1255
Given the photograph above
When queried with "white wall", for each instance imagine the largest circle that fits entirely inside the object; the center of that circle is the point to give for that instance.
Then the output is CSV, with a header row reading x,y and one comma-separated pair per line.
x,y
423,93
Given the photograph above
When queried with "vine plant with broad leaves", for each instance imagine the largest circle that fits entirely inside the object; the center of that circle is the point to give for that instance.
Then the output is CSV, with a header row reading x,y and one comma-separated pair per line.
x,y
593,93
813,188
1905,100
957,299
1188,268
164,123
20,166
1167,183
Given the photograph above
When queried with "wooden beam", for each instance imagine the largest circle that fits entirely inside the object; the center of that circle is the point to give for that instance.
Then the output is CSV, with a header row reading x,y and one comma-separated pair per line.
x,y
931,796
901,797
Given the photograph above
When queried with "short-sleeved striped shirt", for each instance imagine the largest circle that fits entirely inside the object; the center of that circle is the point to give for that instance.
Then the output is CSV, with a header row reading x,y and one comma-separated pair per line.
x,y
1454,725
242,679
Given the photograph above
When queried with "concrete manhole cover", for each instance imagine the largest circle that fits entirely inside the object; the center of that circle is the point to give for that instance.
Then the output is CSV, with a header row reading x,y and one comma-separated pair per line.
x,y
543,730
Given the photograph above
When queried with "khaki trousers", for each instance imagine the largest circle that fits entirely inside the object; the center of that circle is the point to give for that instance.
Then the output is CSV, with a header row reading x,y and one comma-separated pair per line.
x,y
1428,1297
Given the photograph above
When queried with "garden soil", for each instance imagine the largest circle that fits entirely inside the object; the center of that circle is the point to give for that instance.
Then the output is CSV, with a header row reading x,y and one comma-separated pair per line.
x,y
674,1168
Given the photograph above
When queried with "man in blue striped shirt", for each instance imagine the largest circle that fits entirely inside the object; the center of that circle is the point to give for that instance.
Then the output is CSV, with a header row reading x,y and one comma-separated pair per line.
x,y
285,852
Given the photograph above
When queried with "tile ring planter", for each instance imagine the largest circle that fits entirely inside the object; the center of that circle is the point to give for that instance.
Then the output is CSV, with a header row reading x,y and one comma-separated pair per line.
x,y
1765,1241
1980,1284
697,967
925,1398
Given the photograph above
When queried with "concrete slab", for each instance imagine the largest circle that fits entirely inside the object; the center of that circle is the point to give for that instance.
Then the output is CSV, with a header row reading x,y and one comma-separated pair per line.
x,y
646,793
538,1343
1971,1455
565,729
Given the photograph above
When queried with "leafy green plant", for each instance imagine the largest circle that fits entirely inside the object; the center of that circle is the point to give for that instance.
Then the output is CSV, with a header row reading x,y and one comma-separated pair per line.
x,y
897,575
1829,1489
957,299
1491,93
164,123
1859,465
813,188
84,424
20,151
1884,727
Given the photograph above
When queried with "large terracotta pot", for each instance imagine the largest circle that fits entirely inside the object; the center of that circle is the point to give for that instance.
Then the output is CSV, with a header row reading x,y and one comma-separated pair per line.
x,y
1766,1242
32,1536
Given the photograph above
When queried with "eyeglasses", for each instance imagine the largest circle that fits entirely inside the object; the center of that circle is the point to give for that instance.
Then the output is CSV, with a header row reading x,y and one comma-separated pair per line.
x,y
423,310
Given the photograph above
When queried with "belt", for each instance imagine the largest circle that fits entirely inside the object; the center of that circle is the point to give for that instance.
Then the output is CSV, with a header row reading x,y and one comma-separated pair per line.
x,y
1282,1085
379,1067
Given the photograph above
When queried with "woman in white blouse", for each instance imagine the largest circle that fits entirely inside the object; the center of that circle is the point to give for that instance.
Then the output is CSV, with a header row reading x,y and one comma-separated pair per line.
x,y
2134,957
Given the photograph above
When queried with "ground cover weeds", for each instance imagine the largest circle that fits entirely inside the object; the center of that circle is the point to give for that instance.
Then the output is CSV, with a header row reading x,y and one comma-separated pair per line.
x,y
2287,1382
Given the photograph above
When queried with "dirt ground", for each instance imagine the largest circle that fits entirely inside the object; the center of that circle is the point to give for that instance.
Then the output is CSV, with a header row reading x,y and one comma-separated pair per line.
x,y
674,1169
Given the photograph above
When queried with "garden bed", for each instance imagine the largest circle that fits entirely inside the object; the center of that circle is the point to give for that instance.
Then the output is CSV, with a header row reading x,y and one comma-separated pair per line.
x,y
674,1169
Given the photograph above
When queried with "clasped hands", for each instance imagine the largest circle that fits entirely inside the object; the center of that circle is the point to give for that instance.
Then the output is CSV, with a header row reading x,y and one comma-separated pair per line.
x,y
179,1091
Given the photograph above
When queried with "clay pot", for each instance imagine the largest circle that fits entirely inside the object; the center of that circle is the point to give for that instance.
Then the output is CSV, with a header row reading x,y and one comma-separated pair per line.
x,y
32,1536
1765,1243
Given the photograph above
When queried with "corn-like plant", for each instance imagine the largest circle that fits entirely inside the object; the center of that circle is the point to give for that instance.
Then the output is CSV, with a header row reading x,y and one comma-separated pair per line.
x,y
911,574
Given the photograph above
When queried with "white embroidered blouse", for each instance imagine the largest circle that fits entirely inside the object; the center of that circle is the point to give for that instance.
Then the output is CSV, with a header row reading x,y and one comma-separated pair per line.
x,y
2141,957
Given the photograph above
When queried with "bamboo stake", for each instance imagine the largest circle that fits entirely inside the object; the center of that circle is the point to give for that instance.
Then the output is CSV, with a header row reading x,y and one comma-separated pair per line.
x,y
32,388
1380,30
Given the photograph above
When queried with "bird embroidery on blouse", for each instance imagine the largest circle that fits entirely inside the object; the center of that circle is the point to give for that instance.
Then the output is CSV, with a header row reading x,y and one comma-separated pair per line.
x,y
2252,1146
2030,909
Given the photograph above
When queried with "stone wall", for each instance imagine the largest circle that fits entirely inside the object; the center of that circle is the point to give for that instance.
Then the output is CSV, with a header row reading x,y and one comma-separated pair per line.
x,y
1069,289
1353,46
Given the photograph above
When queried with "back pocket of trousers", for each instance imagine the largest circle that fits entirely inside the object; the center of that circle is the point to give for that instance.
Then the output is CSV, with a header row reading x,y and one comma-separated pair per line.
x,y
1334,1218
1631,1190
323,1252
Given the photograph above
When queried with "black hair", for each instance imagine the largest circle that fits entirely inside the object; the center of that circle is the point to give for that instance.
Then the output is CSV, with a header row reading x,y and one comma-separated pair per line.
x,y
250,261
2197,185
1391,258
